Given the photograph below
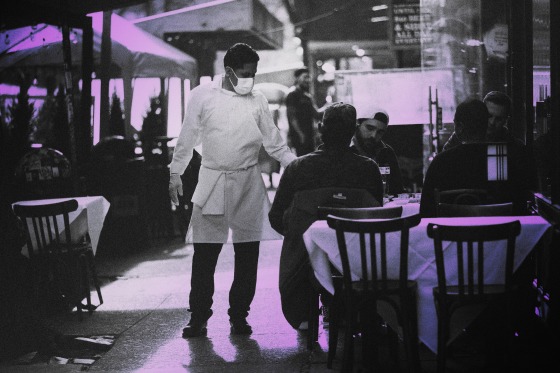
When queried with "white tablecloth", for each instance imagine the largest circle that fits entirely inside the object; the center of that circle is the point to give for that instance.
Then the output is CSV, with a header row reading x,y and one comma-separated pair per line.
x,y
88,218
320,241
408,208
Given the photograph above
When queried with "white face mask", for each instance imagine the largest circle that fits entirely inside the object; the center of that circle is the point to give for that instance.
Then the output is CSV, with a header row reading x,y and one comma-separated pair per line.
x,y
244,85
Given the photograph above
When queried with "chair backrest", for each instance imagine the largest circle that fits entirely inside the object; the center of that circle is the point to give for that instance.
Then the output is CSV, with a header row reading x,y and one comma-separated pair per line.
x,y
454,210
375,254
469,254
43,224
303,210
360,212
309,200
464,196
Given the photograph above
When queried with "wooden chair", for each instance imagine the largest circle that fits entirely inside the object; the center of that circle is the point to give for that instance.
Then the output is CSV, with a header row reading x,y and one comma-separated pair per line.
x,y
471,287
294,259
361,297
69,261
454,210
336,308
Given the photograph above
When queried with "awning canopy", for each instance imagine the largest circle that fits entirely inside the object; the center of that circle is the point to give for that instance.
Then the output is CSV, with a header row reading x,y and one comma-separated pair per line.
x,y
135,53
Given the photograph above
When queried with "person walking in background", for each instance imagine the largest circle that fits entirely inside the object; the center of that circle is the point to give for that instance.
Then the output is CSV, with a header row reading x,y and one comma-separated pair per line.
x,y
368,141
231,122
302,113
332,165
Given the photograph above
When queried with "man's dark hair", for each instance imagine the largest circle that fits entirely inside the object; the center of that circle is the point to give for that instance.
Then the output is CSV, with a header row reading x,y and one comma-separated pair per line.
x,y
500,99
472,116
239,54
300,71
339,125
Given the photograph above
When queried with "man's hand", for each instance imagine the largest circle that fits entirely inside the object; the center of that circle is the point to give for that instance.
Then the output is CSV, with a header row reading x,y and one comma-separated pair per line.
x,y
175,187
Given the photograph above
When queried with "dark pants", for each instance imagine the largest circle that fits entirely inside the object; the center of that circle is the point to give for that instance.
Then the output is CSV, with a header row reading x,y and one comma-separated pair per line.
x,y
305,147
244,283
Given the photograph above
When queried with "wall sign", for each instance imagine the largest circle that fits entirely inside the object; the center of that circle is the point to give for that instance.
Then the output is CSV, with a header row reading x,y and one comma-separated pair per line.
x,y
410,26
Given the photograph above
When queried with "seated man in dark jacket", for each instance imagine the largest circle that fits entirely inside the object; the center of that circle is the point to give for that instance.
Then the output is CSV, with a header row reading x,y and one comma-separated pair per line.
x,y
502,169
333,165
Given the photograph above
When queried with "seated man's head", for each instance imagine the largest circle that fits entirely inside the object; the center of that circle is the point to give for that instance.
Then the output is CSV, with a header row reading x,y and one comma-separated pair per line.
x,y
240,64
303,79
499,107
338,126
471,121
371,129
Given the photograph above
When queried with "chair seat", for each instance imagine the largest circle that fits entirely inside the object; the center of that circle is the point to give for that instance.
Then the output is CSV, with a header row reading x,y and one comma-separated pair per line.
x,y
386,288
72,248
491,291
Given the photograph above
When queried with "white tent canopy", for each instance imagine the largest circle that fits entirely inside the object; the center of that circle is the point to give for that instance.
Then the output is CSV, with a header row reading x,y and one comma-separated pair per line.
x,y
135,52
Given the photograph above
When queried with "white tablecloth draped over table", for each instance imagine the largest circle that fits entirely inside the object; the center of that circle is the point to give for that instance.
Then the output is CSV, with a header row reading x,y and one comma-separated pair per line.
x,y
320,241
88,218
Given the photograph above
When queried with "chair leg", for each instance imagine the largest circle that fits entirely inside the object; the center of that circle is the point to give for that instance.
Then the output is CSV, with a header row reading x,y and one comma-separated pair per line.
x,y
442,341
313,322
370,335
94,277
335,314
348,348
85,283
77,301
410,334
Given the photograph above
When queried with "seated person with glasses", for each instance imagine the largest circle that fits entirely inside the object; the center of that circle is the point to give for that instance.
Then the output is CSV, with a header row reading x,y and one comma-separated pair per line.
x,y
502,169
332,165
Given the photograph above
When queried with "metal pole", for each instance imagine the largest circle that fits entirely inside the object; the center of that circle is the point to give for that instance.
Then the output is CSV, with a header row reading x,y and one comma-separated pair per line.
x,y
69,85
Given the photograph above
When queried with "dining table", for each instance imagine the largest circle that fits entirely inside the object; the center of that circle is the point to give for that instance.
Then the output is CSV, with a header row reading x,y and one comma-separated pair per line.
x,y
321,244
87,219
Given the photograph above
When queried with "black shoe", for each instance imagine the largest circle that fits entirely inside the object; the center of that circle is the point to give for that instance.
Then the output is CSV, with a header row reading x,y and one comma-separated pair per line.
x,y
240,327
195,329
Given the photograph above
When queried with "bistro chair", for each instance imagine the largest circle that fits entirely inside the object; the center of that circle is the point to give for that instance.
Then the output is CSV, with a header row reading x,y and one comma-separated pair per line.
x,y
336,308
67,261
454,210
466,264
299,289
362,296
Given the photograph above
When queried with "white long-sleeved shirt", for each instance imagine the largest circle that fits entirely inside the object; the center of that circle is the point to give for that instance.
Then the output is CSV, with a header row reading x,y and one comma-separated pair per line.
x,y
231,129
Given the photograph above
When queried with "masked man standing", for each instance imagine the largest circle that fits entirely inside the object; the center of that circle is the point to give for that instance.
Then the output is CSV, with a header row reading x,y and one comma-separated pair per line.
x,y
231,122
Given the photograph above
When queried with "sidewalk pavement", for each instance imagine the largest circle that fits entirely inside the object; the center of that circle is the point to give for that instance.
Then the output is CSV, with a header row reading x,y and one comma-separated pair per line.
x,y
145,308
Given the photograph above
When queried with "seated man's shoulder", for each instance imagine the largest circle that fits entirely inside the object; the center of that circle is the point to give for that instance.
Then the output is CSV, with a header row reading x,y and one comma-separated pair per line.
x,y
361,159
388,147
